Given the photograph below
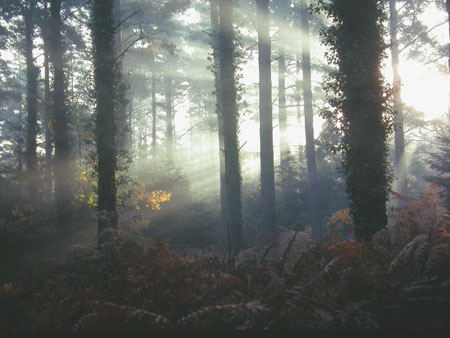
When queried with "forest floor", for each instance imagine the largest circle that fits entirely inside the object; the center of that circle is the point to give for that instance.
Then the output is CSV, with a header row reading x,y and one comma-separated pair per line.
x,y
398,280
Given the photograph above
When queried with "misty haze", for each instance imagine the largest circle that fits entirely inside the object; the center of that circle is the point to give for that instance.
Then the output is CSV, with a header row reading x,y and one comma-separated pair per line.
x,y
224,165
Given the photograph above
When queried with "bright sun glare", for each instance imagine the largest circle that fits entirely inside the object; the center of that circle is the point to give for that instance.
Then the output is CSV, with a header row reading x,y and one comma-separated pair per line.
x,y
426,90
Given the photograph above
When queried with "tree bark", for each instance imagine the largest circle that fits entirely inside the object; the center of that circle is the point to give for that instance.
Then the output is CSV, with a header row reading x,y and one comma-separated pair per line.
x,y
282,120
47,104
153,116
400,160
219,109
298,90
169,115
316,230
104,65
123,109
32,99
47,114
268,220
61,129
356,35
447,6
228,90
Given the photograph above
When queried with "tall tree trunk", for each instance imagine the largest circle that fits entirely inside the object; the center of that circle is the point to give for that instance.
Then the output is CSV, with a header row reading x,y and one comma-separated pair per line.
x,y
357,31
316,230
447,5
228,90
219,109
298,90
47,92
169,115
32,99
265,112
104,64
47,120
400,160
153,116
48,107
284,150
122,106
62,145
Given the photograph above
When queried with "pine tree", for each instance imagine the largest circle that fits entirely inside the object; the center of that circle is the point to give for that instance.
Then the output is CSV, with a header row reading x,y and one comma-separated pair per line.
x,y
447,7
227,71
61,130
400,159
29,15
215,26
309,126
268,220
103,34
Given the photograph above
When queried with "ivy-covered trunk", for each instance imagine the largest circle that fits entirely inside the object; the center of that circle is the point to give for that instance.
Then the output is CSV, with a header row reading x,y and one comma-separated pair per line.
x,y
357,47
227,72
268,218
104,66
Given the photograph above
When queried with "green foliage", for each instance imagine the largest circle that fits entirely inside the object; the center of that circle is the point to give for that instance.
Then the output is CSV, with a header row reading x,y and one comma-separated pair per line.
x,y
440,160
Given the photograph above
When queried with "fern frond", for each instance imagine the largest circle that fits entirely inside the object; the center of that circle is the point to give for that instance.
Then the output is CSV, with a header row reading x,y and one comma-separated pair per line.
x,y
439,257
406,253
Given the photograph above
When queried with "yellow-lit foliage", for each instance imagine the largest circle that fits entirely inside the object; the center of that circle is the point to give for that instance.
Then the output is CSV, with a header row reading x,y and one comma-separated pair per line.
x,y
340,225
136,197
141,198
87,193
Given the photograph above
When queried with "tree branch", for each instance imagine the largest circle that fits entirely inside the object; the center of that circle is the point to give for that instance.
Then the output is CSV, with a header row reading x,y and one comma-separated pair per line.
x,y
418,36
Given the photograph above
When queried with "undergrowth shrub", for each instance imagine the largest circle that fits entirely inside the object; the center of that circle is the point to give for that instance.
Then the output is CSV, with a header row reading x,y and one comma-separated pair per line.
x,y
398,279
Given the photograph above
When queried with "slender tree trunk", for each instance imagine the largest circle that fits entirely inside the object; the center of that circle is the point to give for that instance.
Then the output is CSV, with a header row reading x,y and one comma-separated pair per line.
x,y
316,230
121,117
298,90
298,99
19,159
153,116
169,115
47,100
447,5
265,111
47,120
48,111
128,134
284,150
32,100
61,133
104,65
228,90
400,160
219,109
